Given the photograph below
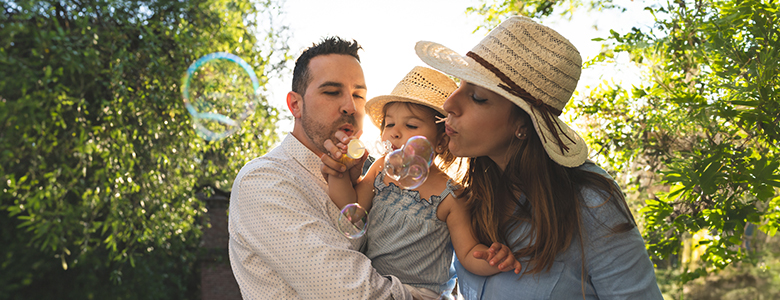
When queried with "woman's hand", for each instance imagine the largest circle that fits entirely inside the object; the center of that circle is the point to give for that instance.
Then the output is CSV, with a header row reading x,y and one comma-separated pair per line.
x,y
500,256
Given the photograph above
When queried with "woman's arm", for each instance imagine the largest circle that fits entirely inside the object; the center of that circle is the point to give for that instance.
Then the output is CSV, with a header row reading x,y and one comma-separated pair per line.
x,y
475,257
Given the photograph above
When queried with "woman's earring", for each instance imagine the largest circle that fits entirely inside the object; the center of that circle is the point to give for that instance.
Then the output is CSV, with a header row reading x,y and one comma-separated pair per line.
x,y
521,135
438,148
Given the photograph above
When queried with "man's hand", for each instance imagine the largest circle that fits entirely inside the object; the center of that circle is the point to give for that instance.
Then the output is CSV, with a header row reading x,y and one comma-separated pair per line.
x,y
336,162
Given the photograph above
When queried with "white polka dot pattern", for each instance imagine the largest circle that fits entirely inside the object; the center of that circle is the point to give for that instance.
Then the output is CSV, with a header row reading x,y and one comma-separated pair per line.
x,y
283,240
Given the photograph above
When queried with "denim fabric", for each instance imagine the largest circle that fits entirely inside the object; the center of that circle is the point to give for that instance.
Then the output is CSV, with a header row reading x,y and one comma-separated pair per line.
x,y
617,265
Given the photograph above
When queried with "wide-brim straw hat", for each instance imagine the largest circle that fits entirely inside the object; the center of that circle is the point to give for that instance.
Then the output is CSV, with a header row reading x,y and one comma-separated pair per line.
x,y
530,64
424,86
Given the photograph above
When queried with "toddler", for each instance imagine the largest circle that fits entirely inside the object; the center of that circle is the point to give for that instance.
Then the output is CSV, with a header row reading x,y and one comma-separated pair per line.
x,y
409,231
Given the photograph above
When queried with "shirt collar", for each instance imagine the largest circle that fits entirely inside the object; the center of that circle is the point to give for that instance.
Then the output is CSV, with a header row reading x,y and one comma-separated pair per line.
x,y
303,156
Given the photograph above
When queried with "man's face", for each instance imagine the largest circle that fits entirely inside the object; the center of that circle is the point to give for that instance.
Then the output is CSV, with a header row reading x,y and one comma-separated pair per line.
x,y
334,99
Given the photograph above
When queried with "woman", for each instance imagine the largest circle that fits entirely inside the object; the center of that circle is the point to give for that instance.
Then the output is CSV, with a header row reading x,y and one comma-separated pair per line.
x,y
529,184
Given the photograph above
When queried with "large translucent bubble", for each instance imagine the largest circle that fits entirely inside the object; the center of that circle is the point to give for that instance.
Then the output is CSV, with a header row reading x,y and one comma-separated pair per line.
x,y
419,146
416,173
409,165
396,165
220,90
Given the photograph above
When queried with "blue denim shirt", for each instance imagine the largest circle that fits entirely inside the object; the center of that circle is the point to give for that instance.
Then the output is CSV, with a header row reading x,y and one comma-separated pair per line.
x,y
617,265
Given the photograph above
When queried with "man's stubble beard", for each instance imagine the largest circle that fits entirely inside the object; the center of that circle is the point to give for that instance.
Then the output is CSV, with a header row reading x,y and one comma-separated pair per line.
x,y
318,132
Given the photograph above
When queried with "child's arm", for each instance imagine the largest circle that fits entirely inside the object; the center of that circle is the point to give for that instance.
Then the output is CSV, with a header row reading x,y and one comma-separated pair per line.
x,y
365,188
341,190
475,257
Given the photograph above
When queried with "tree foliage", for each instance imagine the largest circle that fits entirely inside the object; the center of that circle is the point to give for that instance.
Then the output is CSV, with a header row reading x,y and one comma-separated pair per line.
x,y
99,163
495,11
698,138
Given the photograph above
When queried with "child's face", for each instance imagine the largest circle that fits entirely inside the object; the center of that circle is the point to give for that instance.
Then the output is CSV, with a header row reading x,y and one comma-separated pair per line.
x,y
405,121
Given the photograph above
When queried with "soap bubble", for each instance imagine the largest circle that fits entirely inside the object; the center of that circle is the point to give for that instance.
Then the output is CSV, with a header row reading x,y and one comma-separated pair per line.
x,y
396,165
220,90
409,165
416,173
381,148
419,146
353,221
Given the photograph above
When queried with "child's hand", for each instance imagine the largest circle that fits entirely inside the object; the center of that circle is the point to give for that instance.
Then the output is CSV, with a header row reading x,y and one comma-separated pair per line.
x,y
335,162
330,167
500,256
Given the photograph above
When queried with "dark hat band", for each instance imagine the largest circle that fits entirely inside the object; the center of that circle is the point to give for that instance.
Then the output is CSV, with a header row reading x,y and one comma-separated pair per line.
x,y
548,112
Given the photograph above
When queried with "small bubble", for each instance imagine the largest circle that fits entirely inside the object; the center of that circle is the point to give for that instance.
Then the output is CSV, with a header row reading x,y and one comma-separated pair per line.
x,y
353,221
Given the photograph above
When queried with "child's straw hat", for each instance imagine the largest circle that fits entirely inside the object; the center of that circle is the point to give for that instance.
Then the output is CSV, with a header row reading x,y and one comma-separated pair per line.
x,y
530,64
422,86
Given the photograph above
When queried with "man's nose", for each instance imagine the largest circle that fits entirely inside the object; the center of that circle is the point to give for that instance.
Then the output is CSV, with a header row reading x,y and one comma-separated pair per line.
x,y
349,107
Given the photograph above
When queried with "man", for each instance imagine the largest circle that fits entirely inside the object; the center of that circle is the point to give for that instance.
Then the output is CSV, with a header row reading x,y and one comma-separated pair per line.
x,y
283,239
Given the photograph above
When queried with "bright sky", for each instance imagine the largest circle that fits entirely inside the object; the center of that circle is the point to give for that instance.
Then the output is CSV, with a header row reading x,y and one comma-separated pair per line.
x,y
388,31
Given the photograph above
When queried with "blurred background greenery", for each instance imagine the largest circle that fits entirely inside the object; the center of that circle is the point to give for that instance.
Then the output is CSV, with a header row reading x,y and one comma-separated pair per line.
x,y
99,165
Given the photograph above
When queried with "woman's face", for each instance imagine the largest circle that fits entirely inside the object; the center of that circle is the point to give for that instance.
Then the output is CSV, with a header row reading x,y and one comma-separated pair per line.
x,y
480,123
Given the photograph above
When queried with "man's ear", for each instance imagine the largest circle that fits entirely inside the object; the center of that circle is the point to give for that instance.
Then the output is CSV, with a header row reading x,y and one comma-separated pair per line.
x,y
295,104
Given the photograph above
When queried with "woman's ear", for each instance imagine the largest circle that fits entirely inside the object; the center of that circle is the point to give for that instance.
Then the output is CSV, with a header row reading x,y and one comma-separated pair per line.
x,y
441,144
521,133
523,124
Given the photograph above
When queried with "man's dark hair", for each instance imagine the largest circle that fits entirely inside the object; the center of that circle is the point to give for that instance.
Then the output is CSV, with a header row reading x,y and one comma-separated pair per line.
x,y
328,45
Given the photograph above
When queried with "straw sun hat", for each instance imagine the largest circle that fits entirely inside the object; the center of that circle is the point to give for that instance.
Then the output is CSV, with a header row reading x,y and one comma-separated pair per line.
x,y
531,65
422,86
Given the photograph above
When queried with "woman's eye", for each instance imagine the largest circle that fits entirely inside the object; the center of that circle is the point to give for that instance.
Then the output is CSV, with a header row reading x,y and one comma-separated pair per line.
x,y
411,126
389,125
477,99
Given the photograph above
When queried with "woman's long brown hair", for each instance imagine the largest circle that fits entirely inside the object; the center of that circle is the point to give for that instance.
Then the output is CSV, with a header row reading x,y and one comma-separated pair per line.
x,y
553,205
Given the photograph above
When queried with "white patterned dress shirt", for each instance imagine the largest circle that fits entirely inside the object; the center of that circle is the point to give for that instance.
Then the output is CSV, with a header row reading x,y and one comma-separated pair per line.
x,y
284,243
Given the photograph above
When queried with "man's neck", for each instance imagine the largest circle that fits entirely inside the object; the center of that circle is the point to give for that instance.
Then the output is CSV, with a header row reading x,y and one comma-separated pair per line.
x,y
304,139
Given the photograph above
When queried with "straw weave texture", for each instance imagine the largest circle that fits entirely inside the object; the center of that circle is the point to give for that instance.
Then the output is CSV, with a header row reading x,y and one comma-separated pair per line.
x,y
422,86
537,59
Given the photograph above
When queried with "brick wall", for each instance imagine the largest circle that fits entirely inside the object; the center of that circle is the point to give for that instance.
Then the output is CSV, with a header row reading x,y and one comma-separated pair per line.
x,y
216,277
